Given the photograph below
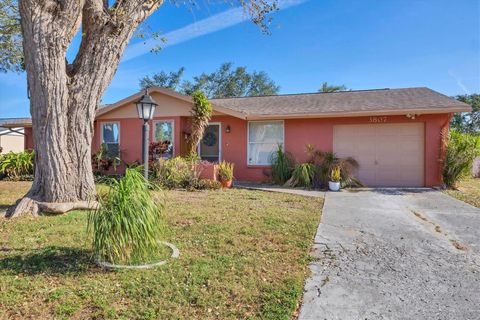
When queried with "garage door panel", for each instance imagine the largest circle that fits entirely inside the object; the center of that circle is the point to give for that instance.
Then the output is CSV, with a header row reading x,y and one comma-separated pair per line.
x,y
388,154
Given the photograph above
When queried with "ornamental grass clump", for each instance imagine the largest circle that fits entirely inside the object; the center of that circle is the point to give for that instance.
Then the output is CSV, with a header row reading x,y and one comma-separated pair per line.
x,y
128,224
282,165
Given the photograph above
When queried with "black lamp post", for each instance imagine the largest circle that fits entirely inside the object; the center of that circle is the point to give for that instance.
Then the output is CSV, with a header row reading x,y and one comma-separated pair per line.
x,y
145,108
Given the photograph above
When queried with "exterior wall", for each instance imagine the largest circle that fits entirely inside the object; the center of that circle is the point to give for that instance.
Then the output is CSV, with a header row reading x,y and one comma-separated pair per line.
x,y
298,133
319,132
12,142
29,144
131,136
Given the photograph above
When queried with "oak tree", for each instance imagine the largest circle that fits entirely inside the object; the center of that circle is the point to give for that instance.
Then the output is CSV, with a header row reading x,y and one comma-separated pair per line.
x,y
64,96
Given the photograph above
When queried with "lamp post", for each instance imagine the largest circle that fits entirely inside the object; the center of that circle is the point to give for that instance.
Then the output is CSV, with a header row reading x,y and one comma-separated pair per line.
x,y
145,108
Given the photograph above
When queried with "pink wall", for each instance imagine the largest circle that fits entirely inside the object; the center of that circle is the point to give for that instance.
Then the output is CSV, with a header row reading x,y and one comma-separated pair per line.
x,y
319,132
298,133
28,141
131,137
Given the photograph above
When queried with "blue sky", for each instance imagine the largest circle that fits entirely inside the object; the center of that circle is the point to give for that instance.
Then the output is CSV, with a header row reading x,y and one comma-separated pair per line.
x,y
361,44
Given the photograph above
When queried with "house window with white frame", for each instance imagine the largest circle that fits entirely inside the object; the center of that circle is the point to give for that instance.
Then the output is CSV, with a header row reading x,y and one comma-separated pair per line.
x,y
263,139
164,133
111,138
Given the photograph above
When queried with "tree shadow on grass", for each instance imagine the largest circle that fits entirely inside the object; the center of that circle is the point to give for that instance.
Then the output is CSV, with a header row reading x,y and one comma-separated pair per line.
x,y
52,260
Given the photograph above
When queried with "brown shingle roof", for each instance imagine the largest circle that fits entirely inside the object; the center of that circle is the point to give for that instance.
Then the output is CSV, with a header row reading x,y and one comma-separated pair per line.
x,y
345,102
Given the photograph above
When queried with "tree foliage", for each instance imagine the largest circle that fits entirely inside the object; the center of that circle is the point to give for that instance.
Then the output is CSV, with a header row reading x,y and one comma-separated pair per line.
x,y
468,122
171,80
11,55
224,82
326,87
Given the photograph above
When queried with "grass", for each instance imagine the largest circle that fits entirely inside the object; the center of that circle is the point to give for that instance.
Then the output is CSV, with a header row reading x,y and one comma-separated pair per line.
x,y
468,191
243,254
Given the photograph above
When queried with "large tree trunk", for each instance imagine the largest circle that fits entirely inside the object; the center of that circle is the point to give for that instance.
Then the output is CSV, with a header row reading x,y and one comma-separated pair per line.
x,y
64,97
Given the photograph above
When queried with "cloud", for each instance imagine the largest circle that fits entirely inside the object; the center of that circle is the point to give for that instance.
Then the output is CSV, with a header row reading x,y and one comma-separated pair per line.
x,y
459,81
200,28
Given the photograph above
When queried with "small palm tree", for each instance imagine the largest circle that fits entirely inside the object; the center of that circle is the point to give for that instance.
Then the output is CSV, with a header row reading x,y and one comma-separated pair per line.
x,y
331,88
326,161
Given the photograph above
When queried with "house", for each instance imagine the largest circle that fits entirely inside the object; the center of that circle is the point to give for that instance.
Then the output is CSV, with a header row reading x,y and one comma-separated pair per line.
x,y
394,134
11,139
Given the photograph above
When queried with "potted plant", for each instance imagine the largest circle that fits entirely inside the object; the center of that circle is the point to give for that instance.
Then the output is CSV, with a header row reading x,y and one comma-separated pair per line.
x,y
225,174
334,183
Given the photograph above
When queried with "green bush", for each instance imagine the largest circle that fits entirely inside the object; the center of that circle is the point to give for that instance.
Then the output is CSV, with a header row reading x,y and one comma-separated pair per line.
x,y
302,176
461,150
282,166
174,173
15,165
128,224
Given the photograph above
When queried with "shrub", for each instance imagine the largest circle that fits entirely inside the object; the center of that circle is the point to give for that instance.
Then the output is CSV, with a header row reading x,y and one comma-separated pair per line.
x,y
128,224
225,171
461,150
302,176
15,165
157,149
325,162
282,166
208,184
102,161
174,173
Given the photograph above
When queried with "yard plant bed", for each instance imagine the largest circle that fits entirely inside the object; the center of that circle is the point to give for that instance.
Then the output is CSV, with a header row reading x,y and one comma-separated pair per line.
x,y
244,254
468,191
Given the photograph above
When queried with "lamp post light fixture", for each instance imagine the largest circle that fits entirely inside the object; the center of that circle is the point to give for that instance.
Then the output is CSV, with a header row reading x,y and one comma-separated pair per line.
x,y
145,108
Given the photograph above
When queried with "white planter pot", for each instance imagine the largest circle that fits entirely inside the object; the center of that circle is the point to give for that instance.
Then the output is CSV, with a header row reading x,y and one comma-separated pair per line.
x,y
334,186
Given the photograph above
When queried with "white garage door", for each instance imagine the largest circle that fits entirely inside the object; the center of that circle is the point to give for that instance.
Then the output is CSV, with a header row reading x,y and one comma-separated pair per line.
x,y
390,155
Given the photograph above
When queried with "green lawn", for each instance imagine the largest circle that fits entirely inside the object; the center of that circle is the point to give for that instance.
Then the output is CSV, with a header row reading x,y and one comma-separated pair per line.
x,y
244,254
468,191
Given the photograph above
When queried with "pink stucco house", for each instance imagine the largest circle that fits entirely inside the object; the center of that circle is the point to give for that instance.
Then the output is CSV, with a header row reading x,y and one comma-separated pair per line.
x,y
394,134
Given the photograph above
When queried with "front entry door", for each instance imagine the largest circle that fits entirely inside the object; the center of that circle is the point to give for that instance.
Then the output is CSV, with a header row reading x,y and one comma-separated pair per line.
x,y
209,148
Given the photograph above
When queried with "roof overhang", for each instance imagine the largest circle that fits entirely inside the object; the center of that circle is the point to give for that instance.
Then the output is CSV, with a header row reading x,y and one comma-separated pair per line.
x,y
12,124
357,113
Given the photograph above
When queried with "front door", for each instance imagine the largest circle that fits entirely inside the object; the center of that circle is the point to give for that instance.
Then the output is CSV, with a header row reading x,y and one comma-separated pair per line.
x,y
209,148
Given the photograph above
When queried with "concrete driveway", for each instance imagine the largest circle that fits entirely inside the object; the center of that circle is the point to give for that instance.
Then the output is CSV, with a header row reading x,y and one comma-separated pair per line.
x,y
395,254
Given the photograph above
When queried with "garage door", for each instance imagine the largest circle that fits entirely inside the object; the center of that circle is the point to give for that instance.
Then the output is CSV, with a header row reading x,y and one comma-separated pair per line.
x,y
390,155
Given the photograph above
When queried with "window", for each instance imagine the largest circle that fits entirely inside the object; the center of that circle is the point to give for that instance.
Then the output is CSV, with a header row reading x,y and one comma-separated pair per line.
x,y
163,132
111,138
263,139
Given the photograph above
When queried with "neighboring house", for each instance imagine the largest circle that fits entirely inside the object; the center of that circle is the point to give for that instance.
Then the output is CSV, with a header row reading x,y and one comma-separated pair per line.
x,y
11,140
394,134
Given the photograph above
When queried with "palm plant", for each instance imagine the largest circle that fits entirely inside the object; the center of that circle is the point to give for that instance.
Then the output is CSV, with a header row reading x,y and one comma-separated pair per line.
x,y
326,161
201,114
128,224
302,176
17,164
282,165
461,150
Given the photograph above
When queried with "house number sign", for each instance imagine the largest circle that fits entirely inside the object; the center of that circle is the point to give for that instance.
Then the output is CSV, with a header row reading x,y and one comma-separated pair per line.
x,y
377,119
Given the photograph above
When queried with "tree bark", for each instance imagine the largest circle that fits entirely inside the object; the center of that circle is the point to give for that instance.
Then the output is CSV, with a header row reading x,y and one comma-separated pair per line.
x,y
64,97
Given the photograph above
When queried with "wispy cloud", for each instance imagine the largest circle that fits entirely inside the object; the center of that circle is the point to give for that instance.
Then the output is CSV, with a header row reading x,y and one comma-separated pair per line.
x,y
200,28
459,81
